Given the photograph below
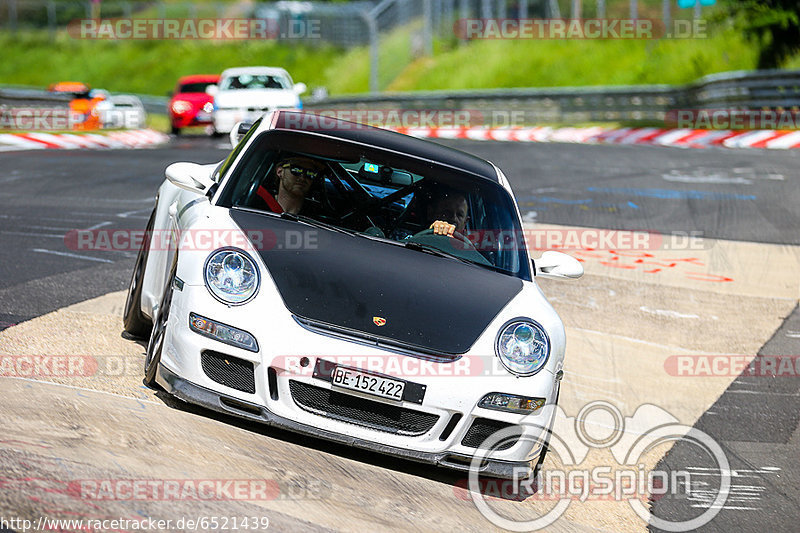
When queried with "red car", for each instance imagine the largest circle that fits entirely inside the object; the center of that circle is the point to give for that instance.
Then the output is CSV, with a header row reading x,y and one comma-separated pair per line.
x,y
190,105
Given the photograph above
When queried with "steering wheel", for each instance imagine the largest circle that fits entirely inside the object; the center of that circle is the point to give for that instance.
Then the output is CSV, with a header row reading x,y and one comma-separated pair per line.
x,y
458,245
468,246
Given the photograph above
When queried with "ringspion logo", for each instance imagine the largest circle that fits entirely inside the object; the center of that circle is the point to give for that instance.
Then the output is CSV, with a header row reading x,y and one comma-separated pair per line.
x,y
600,425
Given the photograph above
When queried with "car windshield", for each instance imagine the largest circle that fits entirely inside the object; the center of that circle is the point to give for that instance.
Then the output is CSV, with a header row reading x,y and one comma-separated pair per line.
x,y
254,81
197,87
388,199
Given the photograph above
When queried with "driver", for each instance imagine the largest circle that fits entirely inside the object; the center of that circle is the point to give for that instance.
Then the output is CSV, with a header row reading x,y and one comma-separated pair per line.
x,y
295,176
449,213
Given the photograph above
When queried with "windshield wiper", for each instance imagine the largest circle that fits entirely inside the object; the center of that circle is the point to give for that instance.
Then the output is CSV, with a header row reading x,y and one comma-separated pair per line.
x,y
412,245
296,218
316,223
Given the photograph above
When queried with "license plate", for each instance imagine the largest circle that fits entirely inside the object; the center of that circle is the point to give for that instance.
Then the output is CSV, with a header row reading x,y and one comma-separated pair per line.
x,y
202,115
349,378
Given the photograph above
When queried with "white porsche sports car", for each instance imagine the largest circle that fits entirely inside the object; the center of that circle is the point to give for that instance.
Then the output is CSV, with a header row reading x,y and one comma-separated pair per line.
x,y
392,306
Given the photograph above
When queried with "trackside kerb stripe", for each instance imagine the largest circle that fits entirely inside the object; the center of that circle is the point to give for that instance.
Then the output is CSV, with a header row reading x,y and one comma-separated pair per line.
x,y
72,141
681,138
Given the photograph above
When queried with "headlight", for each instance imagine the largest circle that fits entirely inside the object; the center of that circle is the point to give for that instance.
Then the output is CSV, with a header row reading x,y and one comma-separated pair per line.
x,y
208,107
222,332
523,347
231,276
511,403
180,107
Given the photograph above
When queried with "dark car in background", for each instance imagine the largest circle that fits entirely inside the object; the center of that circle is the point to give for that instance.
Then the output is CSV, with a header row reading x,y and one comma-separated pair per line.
x,y
190,104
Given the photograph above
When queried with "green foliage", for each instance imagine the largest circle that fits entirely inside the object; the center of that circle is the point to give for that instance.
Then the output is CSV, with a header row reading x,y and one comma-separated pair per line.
x,y
553,63
774,25
149,67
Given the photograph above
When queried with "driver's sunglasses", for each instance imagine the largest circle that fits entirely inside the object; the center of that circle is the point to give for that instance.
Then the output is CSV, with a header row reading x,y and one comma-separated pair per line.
x,y
308,173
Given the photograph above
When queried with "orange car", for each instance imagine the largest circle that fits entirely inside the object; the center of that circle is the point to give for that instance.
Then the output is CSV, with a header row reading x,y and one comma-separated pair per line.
x,y
83,106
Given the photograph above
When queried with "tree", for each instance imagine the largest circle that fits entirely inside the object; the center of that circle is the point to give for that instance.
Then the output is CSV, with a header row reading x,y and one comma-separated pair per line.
x,y
773,24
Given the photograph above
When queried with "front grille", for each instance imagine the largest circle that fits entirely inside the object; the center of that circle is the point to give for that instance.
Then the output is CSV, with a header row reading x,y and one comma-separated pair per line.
x,y
482,428
229,371
360,411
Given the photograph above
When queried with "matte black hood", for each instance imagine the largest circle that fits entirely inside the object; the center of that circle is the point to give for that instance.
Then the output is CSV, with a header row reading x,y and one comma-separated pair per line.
x,y
434,303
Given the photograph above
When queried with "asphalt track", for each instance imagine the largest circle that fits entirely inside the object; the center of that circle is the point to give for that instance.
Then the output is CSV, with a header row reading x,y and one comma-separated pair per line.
x,y
724,196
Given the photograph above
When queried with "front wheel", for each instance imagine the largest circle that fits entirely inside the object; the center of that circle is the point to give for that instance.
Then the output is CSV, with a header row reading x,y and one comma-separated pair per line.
x,y
133,320
156,344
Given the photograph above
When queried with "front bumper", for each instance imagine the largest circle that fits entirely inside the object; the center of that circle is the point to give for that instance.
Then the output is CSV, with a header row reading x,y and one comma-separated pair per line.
x,y
199,118
452,389
195,394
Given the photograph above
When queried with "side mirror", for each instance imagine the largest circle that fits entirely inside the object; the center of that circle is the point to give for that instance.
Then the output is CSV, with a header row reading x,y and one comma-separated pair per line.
x,y
238,132
300,88
557,265
189,176
212,90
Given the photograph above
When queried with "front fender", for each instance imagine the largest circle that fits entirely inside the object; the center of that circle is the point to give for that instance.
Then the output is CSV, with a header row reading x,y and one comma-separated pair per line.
x,y
173,206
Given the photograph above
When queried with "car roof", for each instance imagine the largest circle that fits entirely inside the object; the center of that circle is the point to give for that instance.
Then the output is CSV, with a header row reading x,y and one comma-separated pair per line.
x,y
126,99
68,87
254,70
381,139
192,78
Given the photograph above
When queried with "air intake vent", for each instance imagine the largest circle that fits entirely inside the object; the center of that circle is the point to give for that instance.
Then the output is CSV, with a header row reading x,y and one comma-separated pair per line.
x,y
451,425
360,411
229,371
482,428
272,382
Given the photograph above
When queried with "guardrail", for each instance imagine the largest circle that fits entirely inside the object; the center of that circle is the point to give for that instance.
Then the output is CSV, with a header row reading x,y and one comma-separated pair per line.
x,y
35,97
761,89
28,96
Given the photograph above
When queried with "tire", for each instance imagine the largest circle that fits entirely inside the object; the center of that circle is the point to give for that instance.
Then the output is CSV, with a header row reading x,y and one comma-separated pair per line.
x,y
175,130
133,320
156,344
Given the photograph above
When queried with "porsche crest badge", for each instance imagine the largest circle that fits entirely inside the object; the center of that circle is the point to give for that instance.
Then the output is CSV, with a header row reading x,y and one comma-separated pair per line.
x,y
378,321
